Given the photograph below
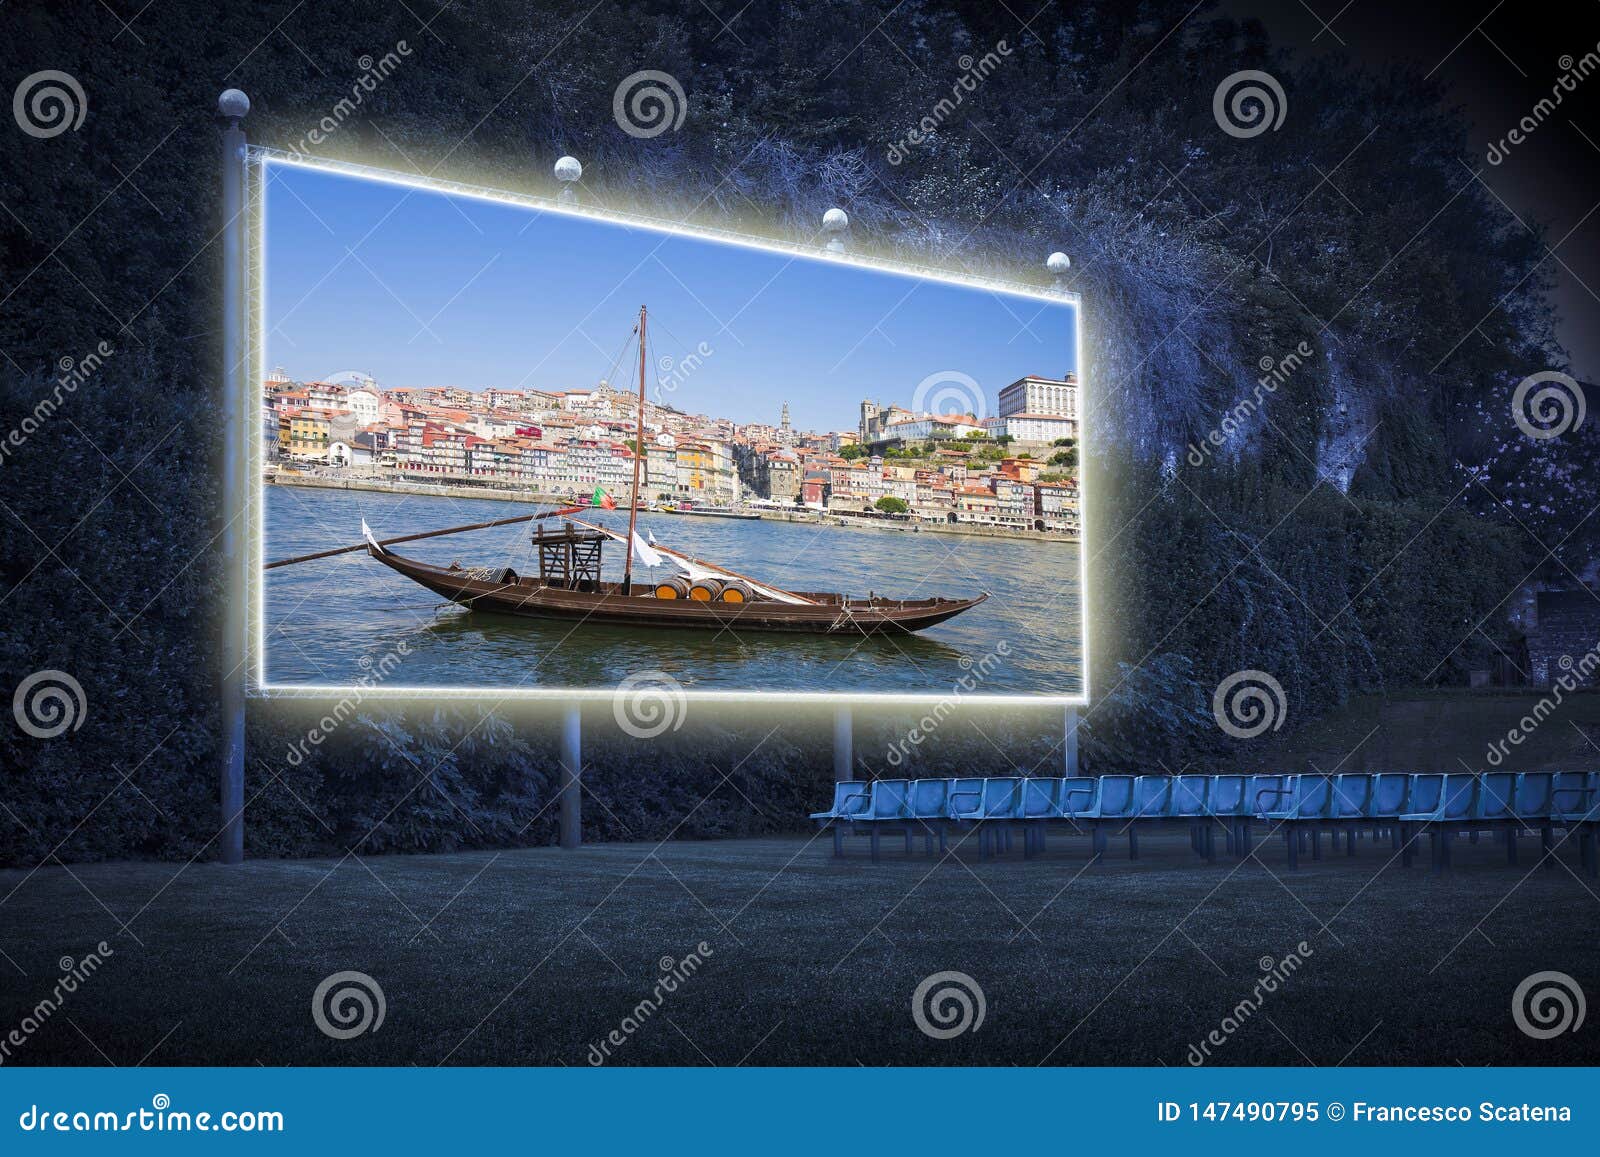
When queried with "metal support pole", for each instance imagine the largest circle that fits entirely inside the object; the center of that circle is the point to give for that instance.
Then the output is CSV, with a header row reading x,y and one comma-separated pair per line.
x,y
232,107
1069,744
844,760
572,776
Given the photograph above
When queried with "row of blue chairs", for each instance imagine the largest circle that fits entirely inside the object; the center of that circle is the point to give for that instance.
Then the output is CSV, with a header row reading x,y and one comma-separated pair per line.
x,y
1302,807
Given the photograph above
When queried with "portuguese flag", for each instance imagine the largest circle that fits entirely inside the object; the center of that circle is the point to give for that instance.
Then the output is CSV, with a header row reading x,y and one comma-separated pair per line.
x,y
603,500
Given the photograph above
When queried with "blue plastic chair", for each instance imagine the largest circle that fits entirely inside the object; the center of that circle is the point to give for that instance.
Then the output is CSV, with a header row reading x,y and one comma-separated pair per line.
x,y
1304,803
1039,806
850,802
928,807
1443,804
1495,808
1187,802
1347,806
1228,801
996,801
1575,805
1109,798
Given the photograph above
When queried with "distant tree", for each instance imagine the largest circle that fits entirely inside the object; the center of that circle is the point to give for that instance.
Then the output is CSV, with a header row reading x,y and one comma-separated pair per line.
x,y
889,504
851,452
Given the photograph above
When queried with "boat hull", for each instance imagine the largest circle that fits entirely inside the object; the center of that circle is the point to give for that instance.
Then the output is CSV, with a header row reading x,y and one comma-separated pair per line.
x,y
501,590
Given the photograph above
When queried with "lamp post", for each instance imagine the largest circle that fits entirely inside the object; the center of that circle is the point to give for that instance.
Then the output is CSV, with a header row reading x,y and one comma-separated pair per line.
x,y
568,171
1058,263
232,107
836,224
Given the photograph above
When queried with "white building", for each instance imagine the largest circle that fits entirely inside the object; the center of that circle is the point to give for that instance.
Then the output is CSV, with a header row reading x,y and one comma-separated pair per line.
x,y
1033,395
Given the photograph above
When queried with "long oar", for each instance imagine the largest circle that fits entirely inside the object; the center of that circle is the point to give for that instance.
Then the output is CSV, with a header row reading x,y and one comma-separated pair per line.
x,y
424,534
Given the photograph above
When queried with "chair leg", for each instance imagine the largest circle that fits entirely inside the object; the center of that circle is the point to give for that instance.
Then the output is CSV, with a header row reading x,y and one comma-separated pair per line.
x,y
1292,838
943,850
1133,842
1546,839
874,837
1242,841
1098,841
838,842
1316,844
927,843
1403,840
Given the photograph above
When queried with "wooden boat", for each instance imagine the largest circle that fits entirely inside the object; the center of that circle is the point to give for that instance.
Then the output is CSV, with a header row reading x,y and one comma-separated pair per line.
x,y
581,596
569,584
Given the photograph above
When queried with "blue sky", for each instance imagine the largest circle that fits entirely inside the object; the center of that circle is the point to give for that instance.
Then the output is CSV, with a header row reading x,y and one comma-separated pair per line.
x,y
420,289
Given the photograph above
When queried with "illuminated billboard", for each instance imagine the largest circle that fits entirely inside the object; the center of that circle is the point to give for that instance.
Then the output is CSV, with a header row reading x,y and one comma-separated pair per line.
x,y
517,447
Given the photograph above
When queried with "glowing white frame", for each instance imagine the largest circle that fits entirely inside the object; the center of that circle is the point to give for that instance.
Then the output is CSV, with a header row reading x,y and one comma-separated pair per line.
x,y
260,158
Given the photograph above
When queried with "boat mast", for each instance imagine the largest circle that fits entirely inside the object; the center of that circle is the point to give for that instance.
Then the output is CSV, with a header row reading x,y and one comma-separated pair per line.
x,y
638,456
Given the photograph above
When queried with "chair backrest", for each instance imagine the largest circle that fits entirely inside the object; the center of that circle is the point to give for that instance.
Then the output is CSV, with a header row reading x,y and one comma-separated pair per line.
x,y
1189,794
1077,795
1314,797
929,798
1226,796
1351,791
1573,794
1496,796
1533,794
1460,795
1152,795
965,799
1116,796
1267,793
850,798
1002,798
1039,797
1427,792
1391,795
889,798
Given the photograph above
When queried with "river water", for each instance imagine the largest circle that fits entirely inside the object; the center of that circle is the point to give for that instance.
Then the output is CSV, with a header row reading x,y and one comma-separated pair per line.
x,y
332,621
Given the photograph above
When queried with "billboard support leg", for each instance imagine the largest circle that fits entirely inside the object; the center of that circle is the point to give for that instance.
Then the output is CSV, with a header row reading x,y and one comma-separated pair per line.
x,y
1070,744
571,776
844,761
232,106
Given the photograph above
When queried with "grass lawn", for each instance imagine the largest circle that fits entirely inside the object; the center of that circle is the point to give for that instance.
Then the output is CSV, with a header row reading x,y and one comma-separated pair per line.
x,y
529,957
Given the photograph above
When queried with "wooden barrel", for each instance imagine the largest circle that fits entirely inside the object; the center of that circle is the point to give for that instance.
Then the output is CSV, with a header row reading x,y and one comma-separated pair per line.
x,y
735,591
705,590
676,587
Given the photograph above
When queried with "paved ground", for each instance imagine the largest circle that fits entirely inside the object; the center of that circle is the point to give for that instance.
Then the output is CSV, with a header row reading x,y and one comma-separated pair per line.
x,y
532,957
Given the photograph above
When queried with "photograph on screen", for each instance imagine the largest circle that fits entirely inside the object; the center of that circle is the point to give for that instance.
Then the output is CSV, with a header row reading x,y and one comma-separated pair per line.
x,y
526,448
